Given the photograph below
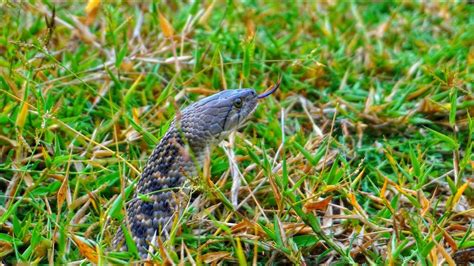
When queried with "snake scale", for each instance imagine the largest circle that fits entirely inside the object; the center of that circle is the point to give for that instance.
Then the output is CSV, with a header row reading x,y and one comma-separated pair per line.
x,y
178,157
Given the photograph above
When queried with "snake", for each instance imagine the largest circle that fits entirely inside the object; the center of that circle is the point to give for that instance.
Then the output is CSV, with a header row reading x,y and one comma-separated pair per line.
x,y
158,195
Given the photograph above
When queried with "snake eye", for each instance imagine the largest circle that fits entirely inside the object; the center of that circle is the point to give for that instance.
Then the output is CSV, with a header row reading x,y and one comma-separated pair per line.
x,y
238,103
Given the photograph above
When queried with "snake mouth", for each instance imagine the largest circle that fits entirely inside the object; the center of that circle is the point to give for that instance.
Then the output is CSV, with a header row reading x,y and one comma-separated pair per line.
x,y
270,91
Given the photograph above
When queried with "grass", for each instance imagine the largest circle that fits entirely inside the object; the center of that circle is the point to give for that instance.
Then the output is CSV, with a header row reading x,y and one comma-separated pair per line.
x,y
364,154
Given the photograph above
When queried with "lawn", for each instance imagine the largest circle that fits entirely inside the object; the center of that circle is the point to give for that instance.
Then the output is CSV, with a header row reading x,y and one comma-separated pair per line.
x,y
364,154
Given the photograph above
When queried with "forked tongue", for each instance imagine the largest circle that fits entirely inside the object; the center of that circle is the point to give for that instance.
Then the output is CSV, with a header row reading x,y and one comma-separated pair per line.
x,y
270,91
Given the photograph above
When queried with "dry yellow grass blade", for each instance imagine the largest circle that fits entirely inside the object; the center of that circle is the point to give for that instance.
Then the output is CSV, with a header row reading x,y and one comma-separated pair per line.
x,y
433,256
166,27
21,118
445,254
163,252
470,57
92,5
276,192
62,193
91,10
384,189
451,242
85,249
248,226
213,257
459,193
354,203
200,90
136,115
207,14
425,204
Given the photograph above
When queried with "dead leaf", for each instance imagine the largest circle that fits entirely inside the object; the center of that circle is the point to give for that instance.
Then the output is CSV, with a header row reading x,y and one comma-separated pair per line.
x,y
103,153
276,192
297,228
28,180
62,193
456,227
85,249
418,92
450,241
354,203
445,254
41,250
317,205
242,226
126,65
425,204
5,248
215,256
429,106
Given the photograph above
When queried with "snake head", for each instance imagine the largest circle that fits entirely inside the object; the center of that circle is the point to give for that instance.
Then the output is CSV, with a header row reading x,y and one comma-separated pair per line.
x,y
211,119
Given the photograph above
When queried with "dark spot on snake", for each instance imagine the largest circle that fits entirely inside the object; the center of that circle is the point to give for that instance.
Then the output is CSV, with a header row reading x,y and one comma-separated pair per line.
x,y
147,208
173,181
155,185
139,230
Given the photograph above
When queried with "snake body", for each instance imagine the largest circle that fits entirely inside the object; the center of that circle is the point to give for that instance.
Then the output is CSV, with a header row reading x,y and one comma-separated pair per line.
x,y
177,157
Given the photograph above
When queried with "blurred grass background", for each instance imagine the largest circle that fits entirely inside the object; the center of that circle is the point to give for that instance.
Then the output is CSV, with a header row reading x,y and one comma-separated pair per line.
x,y
364,154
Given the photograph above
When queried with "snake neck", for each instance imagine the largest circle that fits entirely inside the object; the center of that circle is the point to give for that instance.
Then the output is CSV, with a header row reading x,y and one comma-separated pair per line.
x,y
177,157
